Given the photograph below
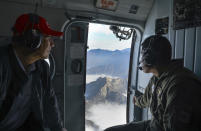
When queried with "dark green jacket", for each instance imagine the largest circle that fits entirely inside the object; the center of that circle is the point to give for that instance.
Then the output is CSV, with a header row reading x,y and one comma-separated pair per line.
x,y
46,102
174,99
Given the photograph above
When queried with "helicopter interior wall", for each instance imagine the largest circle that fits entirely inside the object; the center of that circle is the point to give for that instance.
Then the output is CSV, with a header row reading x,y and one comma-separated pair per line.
x,y
128,9
9,11
186,43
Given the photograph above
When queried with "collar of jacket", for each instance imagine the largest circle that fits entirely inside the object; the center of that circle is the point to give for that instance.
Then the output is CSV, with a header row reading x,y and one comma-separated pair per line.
x,y
15,64
30,68
174,65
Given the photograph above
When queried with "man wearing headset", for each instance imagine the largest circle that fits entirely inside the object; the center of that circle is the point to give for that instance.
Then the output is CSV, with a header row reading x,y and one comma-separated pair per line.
x,y
27,100
173,93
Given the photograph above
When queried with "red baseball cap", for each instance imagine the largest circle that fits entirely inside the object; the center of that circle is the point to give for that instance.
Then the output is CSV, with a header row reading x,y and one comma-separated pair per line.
x,y
25,22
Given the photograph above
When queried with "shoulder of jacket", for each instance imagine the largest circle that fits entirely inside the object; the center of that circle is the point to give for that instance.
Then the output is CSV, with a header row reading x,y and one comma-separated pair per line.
x,y
153,80
183,75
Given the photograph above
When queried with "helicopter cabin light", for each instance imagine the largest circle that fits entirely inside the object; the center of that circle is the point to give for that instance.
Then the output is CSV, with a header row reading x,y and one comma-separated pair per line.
x,y
107,4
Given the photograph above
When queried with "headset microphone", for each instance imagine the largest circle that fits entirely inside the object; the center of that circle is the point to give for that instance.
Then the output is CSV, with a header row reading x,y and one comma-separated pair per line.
x,y
140,68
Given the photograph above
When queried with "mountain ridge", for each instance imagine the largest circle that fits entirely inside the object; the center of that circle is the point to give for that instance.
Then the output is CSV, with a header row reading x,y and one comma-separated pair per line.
x,y
114,63
106,89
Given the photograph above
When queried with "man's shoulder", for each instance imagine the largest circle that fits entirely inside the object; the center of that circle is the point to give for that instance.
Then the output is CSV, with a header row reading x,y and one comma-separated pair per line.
x,y
184,73
182,76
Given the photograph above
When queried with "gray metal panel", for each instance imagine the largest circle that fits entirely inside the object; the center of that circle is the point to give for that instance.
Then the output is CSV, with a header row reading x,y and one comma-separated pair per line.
x,y
74,104
58,53
10,11
135,58
189,48
171,31
85,6
134,74
197,65
172,41
179,46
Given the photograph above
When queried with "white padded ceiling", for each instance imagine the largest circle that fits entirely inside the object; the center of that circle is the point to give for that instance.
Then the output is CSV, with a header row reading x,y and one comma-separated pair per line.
x,y
89,5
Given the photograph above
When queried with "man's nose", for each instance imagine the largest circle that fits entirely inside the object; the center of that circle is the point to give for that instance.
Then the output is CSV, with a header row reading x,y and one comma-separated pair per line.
x,y
52,43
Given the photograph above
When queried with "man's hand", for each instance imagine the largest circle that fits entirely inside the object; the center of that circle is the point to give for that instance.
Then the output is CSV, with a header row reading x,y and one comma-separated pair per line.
x,y
134,100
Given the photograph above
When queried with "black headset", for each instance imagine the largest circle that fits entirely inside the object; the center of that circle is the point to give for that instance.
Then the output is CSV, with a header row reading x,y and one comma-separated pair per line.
x,y
30,38
150,54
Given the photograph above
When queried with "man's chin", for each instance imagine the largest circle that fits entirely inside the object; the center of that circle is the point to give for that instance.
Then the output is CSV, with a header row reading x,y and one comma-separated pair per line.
x,y
45,57
145,70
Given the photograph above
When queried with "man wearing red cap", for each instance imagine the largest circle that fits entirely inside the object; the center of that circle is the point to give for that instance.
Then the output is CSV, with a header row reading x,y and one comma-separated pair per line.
x,y
27,100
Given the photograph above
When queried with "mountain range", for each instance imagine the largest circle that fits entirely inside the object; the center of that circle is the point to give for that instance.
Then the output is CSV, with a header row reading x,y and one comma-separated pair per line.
x,y
113,63
106,89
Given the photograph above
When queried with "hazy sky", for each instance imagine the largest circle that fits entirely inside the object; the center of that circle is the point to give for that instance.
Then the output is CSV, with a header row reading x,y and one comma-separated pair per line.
x,y
100,36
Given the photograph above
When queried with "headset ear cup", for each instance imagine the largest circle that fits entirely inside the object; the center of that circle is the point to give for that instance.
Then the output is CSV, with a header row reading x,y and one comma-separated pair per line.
x,y
36,40
150,61
32,39
148,58
156,50
39,41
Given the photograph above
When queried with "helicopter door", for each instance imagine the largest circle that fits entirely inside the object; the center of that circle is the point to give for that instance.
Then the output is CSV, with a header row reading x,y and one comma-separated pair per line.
x,y
75,74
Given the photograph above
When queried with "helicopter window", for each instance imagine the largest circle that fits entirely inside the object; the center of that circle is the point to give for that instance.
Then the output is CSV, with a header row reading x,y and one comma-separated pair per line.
x,y
107,76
